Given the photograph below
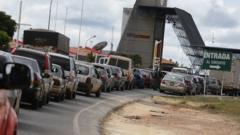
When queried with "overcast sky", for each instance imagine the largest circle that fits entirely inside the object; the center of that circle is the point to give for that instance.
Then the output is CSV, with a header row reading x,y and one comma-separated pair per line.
x,y
212,17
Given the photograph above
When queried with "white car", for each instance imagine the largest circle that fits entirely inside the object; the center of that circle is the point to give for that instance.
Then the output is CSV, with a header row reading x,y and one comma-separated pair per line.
x,y
89,79
106,76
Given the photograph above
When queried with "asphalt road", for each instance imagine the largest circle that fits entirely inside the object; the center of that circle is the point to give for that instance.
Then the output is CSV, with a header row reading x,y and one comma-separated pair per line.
x,y
75,117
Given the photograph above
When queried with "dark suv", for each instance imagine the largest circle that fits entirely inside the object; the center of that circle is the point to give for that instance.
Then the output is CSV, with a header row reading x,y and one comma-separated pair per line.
x,y
44,63
32,95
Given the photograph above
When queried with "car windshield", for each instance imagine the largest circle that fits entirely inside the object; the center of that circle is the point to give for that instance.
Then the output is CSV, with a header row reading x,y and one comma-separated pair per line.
x,y
174,77
63,62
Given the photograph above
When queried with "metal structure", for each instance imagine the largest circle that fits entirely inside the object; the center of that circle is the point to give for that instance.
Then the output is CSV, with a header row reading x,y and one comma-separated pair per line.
x,y
146,24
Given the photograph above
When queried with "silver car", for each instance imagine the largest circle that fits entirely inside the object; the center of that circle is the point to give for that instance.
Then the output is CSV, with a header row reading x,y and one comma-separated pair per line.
x,y
174,83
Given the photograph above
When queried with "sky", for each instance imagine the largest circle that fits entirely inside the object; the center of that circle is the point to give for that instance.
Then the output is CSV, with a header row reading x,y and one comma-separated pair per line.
x,y
217,21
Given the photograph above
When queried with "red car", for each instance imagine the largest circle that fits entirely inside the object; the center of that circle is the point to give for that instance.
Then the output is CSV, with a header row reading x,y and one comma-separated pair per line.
x,y
8,117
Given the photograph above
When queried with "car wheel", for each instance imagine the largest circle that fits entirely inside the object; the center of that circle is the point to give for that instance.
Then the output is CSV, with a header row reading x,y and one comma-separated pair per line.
x,y
58,98
62,97
35,104
98,93
109,89
74,95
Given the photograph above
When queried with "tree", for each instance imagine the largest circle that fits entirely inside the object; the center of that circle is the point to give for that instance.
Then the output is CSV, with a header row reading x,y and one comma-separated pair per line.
x,y
90,57
7,24
4,40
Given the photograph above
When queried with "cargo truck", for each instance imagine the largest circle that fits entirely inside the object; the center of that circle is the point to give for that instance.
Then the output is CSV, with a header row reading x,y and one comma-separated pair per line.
x,y
47,38
231,79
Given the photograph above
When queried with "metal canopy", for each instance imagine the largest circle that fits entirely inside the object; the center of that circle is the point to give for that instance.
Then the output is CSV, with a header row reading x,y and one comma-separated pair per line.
x,y
185,29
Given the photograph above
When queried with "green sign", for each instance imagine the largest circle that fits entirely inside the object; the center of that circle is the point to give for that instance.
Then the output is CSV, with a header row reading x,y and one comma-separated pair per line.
x,y
214,59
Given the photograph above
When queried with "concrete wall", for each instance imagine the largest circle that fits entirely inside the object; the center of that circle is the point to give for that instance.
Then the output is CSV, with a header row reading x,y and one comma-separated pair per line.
x,y
138,31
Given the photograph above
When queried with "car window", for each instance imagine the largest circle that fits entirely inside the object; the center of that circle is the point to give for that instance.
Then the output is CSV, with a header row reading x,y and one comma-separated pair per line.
x,y
40,58
63,62
112,61
123,64
84,69
30,63
174,77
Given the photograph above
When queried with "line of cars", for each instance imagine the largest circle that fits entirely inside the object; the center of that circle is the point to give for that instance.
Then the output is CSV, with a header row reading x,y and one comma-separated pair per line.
x,y
181,81
42,76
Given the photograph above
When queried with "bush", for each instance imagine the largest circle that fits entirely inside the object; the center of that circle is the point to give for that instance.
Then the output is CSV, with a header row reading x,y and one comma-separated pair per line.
x,y
4,40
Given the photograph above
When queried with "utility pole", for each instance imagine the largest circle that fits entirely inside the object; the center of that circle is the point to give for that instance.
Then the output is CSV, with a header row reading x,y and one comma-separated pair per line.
x,y
65,22
56,16
80,28
19,22
50,12
112,39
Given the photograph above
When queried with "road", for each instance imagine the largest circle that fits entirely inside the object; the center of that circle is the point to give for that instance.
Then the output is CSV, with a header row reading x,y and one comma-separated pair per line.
x,y
75,117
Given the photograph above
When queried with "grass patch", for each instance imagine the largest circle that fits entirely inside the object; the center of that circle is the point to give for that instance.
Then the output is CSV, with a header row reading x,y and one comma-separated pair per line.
x,y
229,106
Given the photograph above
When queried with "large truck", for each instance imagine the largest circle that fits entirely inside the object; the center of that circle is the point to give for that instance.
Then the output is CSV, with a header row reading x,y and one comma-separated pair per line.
x,y
231,79
47,38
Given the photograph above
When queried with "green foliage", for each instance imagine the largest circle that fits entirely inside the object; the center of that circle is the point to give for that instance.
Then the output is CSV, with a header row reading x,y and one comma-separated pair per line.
x,y
90,58
7,24
4,40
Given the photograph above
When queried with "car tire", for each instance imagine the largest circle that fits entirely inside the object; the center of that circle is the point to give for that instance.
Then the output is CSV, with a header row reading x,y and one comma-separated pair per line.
x,y
58,98
35,104
109,89
98,93
88,87
62,97
74,95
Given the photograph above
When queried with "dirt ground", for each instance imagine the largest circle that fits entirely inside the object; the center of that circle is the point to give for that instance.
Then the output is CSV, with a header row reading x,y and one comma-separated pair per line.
x,y
146,118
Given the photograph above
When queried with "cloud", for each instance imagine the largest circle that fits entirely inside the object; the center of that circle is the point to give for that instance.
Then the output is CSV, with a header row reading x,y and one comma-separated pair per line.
x,y
218,16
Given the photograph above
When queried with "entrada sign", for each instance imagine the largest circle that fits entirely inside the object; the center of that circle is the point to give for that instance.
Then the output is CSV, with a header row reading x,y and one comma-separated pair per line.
x,y
215,59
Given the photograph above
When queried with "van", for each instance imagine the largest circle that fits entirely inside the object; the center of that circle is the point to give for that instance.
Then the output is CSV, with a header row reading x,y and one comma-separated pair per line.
x,y
121,62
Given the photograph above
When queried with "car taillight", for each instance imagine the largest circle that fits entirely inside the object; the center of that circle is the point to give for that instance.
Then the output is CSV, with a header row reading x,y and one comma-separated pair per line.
x,y
36,81
163,82
46,64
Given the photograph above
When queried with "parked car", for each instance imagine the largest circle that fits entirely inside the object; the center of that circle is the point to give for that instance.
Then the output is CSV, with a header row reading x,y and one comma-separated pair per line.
x,y
33,95
147,77
105,73
174,83
213,86
14,95
122,62
89,79
12,76
117,78
44,62
191,84
59,86
200,84
139,80
69,67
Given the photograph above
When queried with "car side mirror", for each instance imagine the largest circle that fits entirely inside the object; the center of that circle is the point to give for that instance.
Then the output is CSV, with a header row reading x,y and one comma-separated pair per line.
x,y
54,70
79,72
15,76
